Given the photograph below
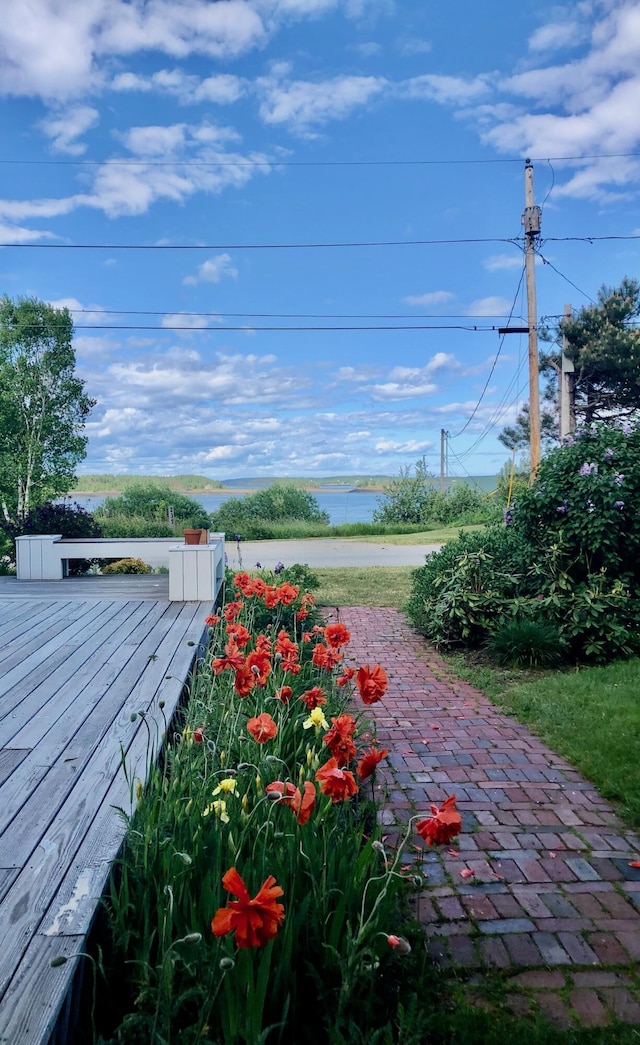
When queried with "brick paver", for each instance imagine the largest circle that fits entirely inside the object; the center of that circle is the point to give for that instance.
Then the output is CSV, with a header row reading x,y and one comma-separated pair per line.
x,y
551,887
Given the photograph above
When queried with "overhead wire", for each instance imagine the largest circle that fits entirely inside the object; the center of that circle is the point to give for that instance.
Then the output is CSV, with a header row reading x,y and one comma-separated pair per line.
x,y
545,261
282,315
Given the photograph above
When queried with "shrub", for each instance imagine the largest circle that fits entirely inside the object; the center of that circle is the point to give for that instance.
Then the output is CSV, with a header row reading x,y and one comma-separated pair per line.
x,y
526,644
253,516
69,520
151,501
127,566
415,500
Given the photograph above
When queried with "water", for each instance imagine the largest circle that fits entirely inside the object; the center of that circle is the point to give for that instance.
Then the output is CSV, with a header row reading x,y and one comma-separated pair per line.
x,y
341,506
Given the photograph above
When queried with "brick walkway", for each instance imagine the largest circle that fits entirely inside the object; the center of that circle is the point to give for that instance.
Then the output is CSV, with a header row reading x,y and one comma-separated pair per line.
x,y
552,901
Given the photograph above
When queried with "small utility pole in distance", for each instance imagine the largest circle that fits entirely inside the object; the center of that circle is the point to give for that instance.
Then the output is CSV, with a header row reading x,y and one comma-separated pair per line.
x,y
531,221
443,457
566,380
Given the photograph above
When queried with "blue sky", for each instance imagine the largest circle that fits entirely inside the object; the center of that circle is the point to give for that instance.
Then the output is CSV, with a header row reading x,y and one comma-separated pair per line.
x,y
218,125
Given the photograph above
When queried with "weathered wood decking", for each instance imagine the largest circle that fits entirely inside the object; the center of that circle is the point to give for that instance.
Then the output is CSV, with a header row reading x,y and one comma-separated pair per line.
x,y
77,659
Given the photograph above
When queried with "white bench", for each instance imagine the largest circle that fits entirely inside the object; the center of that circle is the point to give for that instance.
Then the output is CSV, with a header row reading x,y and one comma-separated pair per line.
x,y
196,571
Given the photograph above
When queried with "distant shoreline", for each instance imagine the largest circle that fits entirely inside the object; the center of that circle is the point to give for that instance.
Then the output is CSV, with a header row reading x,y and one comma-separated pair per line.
x,y
229,490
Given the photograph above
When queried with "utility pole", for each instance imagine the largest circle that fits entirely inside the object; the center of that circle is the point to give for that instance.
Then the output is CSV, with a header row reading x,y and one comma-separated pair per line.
x,y
566,380
531,221
443,457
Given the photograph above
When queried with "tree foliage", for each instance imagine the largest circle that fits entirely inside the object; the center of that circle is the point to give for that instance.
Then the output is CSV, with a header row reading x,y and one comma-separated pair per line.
x,y
43,405
251,516
414,499
150,501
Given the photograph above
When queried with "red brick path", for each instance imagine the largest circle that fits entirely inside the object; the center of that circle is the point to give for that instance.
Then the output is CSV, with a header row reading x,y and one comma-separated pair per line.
x,y
552,891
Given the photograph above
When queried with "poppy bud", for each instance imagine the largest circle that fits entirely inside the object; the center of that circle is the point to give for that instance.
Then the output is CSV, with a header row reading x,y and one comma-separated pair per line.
x,y
226,964
397,943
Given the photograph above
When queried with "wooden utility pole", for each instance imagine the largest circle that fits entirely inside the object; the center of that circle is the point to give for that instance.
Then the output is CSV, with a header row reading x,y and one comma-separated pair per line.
x,y
566,381
531,221
443,457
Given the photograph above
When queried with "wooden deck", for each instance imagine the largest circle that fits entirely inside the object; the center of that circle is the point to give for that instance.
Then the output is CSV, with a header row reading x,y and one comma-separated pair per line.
x,y
78,659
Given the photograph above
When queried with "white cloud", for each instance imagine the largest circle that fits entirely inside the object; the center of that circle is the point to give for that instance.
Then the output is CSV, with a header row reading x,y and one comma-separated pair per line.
x,y
447,90
503,262
18,234
185,319
412,45
368,48
221,89
212,270
303,104
432,297
557,35
68,126
490,306
83,314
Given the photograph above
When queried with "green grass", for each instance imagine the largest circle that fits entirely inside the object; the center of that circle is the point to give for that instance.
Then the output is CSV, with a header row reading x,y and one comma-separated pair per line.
x,y
370,586
590,716
440,535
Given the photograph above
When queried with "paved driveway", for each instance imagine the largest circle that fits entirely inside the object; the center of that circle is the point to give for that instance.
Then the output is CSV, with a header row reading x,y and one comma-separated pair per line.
x,y
329,551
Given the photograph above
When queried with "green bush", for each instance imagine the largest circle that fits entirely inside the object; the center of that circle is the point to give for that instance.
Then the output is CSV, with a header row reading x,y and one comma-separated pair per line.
x,y
126,566
415,500
69,520
136,526
253,516
151,501
526,644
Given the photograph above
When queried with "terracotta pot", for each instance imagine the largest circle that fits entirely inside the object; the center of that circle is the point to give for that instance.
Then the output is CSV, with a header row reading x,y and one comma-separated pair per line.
x,y
192,536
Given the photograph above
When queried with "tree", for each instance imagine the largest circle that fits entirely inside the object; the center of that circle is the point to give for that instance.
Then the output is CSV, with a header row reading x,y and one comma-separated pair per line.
x,y
43,405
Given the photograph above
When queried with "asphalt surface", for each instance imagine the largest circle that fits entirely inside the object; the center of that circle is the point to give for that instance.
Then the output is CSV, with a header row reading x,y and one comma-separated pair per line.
x,y
325,551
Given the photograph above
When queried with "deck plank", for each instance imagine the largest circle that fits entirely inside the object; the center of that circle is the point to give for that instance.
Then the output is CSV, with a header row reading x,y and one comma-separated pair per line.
x,y
61,777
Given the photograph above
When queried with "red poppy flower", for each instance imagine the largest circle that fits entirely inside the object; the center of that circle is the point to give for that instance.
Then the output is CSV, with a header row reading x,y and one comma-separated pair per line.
x,y
307,600
346,676
301,804
271,597
212,620
314,698
337,635
198,735
263,644
233,659
342,748
306,636
262,728
284,694
301,614
344,724
254,922
243,582
260,664
239,634
338,784
288,593
372,683
324,657
443,825
232,609
259,587
244,681
367,764
285,646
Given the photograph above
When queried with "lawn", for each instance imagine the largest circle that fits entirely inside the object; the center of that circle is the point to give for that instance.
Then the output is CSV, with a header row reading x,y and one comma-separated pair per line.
x,y
370,586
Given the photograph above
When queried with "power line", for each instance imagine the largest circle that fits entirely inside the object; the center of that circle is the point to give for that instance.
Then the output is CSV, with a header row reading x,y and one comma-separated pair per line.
x,y
141,162
282,315
256,246
545,261
495,361
471,328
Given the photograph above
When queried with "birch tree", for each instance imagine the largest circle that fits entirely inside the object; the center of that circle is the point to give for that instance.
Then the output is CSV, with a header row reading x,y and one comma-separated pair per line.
x,y
43,405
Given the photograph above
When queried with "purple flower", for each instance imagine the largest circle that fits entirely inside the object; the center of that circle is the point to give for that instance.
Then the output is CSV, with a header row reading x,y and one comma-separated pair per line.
x,y
626,427
278,568
619,505
609,453
618,478
562,508
589,468
237,538
568,440
258,566
507,515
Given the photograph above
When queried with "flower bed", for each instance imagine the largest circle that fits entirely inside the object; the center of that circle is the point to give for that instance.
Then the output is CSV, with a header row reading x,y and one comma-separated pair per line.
x,y
256,901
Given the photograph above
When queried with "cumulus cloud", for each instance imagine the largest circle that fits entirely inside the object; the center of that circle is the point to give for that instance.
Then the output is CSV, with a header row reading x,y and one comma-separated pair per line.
x,y
489,306
212,270
304,104
432,297
65,128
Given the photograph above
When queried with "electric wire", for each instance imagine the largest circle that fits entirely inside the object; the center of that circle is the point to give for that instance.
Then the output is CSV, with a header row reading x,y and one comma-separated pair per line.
x,y
545,261
475,328
283,315
495,361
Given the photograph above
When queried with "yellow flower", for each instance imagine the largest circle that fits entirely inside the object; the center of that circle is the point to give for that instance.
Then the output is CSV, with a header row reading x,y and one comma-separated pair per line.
x,y
220,810
228,786
317,720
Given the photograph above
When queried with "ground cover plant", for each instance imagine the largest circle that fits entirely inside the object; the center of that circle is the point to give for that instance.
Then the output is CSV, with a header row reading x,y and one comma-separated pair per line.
x,y
256,900
567,555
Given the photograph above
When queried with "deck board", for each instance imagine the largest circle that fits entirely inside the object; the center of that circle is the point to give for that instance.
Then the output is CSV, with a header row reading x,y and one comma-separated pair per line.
x,y
69,710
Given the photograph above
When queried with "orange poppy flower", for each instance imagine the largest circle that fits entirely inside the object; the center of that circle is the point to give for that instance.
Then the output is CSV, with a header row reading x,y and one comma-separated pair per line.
x,y
307,600
232,609
244,681
285,646
260,665
443,825
254,922
243,582
233,659
372,683
301,614
301,804
259,587
271,597
346,676
284,694
288,593
314,698
262,728
212,620
324,657
239,634
367,764
263,644
338,784
337,635
198,735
